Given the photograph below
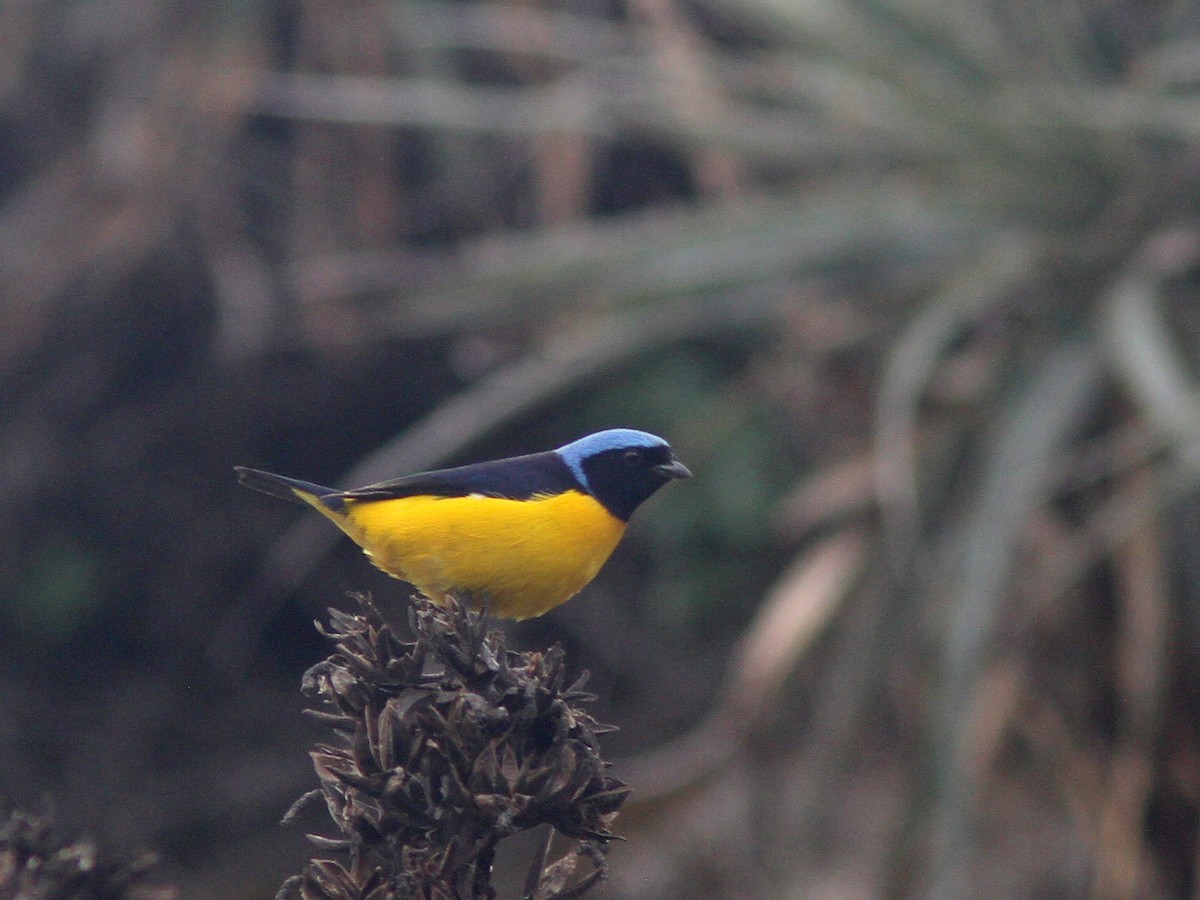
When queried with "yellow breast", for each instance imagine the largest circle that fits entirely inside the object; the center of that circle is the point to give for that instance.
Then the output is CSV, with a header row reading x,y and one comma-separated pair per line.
x,y
523,556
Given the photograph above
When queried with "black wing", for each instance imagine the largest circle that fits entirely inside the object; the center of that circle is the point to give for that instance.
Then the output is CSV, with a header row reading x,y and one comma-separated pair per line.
x,y
518,478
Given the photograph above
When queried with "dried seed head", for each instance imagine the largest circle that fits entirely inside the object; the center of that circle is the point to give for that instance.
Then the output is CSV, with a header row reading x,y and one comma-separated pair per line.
x,y
435,767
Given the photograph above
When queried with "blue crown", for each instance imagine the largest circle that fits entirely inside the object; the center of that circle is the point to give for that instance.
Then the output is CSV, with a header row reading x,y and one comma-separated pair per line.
x,y
576,452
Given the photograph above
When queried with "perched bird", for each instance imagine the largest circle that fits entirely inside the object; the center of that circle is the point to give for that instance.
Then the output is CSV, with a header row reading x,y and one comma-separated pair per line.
x,y
521,535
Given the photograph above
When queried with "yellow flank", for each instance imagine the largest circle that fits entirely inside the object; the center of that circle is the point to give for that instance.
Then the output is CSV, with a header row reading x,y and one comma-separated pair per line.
x,y
523,557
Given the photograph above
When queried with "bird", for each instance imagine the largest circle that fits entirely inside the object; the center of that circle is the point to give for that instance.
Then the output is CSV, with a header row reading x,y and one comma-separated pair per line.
x,y
517,536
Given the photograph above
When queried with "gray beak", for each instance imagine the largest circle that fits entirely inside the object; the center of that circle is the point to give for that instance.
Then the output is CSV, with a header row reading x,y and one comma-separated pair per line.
x,y
673,469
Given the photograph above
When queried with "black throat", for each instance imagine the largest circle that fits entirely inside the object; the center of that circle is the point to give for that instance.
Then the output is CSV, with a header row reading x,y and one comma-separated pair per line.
x,y
622,482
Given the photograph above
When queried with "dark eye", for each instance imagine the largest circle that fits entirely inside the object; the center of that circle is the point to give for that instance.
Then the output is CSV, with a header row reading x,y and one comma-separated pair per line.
x,y
632,457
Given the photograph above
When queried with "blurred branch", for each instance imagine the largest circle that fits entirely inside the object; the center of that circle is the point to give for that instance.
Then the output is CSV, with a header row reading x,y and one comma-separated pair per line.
x,y
834,492
1016,479
793,615
427,102
1142,352
556,36
1143,626
909,371
647,257
690,86
601,106
1097,110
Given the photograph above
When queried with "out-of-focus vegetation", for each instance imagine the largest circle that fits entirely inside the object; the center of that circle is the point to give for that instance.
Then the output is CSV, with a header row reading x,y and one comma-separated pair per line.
x,y
910,287
37,862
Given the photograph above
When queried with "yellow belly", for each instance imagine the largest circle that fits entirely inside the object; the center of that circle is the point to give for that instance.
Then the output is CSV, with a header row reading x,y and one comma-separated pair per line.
x,y
523,557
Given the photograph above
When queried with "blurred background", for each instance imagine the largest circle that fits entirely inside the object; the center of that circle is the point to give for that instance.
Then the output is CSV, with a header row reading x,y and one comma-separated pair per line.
x,y
910,286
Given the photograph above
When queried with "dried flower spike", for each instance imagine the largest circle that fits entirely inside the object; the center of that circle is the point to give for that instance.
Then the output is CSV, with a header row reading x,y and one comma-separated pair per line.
x,y
446,746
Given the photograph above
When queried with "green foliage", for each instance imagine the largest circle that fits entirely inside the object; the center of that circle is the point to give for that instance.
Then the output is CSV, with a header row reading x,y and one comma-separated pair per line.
x,y
58,594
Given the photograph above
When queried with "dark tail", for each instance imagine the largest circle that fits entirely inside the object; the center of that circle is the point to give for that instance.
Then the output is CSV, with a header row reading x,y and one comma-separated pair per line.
x,y
279,486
